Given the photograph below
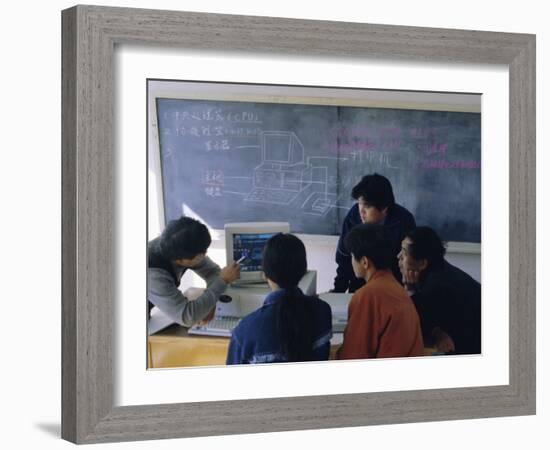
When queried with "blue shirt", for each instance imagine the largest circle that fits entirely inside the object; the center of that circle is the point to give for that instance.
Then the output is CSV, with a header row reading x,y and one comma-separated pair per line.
x,y
256,338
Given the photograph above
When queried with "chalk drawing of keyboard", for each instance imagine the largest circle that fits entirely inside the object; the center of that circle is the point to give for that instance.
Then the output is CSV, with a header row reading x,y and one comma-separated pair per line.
x,y
279,196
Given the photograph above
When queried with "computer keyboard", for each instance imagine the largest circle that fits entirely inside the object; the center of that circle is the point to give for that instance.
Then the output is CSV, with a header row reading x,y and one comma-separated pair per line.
x,y
339,323
219,326
223,326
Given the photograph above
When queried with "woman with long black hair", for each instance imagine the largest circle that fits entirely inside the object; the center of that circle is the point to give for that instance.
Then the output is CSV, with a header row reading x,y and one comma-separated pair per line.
x,y
290,326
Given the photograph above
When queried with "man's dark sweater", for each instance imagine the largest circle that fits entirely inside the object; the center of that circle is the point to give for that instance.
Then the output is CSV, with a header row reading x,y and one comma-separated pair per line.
x,y
397,222
450,299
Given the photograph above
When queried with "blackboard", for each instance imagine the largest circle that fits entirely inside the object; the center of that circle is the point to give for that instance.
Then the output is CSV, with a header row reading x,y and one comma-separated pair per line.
x,y
230,161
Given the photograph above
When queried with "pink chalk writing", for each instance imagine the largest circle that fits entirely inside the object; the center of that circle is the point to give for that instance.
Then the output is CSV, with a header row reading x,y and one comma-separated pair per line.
x,y
444,164
366,132
429,132
365,146
435,148
363,138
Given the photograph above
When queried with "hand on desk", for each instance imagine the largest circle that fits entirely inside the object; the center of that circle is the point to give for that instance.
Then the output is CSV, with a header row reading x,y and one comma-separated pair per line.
x,y
209,317
442,341
230,273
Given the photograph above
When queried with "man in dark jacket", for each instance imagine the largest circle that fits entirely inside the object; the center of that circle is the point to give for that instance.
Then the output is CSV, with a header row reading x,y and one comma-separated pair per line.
x,y
375,205
447,299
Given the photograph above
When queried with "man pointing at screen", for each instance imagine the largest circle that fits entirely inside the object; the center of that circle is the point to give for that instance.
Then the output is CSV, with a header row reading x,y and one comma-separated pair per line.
x,y
182,246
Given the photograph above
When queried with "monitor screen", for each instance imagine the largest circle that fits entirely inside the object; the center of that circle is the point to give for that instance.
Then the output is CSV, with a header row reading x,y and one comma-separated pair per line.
x,y
251,246
248,239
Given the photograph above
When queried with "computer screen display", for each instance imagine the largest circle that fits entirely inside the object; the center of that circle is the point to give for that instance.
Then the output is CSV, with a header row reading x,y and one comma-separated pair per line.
x,y
251,246
248,239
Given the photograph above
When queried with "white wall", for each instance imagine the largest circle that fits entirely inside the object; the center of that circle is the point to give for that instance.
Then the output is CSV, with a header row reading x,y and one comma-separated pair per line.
x,y
31,208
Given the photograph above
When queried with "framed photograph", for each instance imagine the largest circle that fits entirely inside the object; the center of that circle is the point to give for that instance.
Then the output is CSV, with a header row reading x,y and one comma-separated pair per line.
x,y
98,129
226,153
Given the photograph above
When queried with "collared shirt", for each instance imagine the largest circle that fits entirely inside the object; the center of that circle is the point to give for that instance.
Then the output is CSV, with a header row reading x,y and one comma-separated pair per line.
x,y
256,339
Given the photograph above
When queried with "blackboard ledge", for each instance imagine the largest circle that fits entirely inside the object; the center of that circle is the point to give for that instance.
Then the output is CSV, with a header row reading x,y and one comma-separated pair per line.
x,y
464,247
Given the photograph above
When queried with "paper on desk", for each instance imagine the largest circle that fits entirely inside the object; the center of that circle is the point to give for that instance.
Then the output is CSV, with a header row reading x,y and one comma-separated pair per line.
x,y
157,321
337,339
336,296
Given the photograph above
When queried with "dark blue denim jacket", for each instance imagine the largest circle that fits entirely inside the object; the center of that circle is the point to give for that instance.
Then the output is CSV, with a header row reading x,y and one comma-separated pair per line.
x,y
256,340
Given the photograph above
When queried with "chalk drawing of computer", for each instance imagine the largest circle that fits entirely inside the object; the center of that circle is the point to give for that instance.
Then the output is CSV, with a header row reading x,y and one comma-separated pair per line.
x,y
287,176
282,174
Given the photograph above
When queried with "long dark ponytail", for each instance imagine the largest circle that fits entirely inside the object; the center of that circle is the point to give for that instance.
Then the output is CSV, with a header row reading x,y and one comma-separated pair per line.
x,y
284,262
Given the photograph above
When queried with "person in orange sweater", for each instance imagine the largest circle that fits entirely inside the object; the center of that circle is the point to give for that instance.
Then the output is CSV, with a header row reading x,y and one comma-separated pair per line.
x,y
382,319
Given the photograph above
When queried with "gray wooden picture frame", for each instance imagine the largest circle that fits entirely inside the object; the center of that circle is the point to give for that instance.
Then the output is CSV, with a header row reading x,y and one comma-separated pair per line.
x,y
88,152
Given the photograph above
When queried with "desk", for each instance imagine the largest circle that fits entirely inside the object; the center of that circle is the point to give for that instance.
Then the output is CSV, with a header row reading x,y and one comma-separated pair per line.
x,y
173,347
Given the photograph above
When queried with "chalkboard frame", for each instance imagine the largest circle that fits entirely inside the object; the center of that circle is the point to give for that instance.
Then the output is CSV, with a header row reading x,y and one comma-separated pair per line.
x,y
331,96
90,34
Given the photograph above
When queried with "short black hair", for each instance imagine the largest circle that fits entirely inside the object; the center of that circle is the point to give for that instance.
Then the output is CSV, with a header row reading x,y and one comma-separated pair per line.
x,y
426,244
376,190
184,238
284,260
370,241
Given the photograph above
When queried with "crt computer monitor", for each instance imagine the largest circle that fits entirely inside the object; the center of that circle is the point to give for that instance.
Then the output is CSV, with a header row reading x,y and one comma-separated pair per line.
x,y
248,239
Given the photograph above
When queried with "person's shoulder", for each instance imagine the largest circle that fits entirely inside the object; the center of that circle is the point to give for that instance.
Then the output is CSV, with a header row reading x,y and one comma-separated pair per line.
x,y
385,282
257,316
353,214
251,324
401,212
434,277
242,328
158,274
251,318
459,274
318,303
377,285
153,242
363,293
439,281
160,282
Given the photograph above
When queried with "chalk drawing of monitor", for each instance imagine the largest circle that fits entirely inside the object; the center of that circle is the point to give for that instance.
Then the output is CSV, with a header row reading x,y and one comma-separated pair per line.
x,y
281,174
281,147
